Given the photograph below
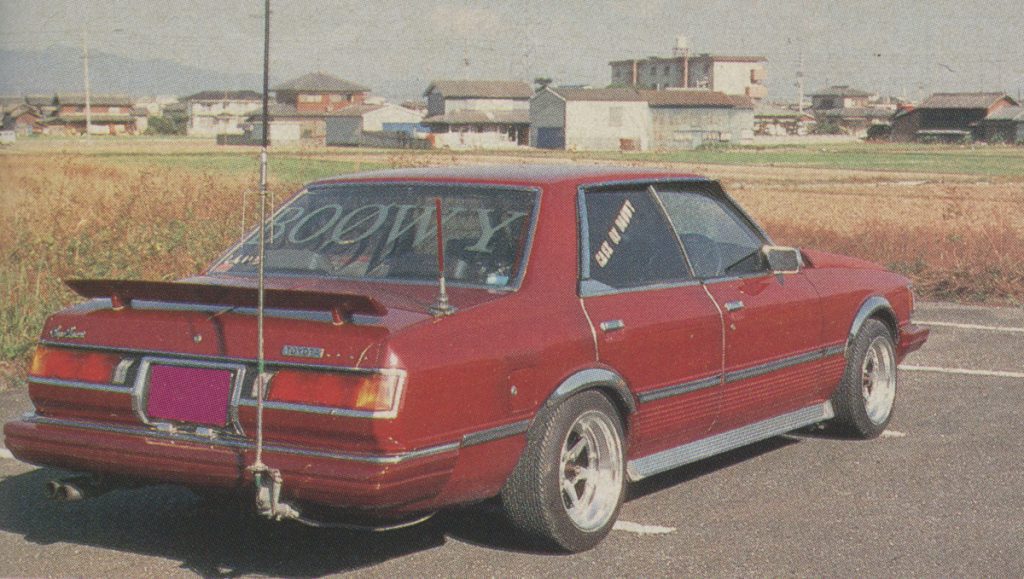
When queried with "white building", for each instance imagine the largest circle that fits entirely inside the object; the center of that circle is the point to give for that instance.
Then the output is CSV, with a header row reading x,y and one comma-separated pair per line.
x,y
213,113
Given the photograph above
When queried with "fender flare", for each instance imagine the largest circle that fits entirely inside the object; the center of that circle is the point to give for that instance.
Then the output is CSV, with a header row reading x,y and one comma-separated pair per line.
x,y
590,378
871,306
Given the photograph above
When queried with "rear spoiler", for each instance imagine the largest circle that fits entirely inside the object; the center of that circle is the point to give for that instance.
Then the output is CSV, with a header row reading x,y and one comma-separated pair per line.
x,y
122,292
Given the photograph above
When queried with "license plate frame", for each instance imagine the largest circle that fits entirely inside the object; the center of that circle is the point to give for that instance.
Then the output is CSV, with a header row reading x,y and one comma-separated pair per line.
x,y
213,383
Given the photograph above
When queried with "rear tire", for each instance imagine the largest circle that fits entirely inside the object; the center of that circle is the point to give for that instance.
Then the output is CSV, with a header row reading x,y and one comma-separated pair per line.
x,y
865,398
569,484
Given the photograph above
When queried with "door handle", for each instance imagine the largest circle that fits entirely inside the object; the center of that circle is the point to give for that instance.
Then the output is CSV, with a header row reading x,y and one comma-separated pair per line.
x,y
734,305
612,325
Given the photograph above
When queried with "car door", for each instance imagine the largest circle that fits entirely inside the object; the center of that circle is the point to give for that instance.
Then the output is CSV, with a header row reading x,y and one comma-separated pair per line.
x,y
653,321
772,322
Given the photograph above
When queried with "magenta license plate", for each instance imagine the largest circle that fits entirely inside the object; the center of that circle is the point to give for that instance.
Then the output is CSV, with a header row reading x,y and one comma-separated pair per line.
x,y
196,395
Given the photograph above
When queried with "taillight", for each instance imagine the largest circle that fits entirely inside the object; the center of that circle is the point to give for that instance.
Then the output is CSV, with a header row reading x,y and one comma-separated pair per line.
x,y
376,392
78,365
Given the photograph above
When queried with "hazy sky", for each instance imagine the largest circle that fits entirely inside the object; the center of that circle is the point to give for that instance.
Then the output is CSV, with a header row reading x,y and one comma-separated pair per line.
x,y
396,47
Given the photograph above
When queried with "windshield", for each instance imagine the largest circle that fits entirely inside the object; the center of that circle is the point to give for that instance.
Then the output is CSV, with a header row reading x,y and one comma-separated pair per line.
x,y
389,231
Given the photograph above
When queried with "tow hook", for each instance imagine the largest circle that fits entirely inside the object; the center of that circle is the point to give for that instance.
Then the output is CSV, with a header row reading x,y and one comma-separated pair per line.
x,y
268,495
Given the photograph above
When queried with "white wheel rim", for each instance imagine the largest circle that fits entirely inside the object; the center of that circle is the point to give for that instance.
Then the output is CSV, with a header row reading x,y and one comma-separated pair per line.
x,y
878,380
590,471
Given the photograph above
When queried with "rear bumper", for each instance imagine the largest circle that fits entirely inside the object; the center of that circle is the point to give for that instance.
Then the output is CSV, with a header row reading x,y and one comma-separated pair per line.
x,y
380,482
912,337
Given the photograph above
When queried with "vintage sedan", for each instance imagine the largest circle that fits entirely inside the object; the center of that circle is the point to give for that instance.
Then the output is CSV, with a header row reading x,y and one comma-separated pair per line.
x,y
593,326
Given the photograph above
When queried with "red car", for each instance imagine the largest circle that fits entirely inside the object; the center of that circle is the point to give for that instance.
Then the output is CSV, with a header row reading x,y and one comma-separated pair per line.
x,y
599,325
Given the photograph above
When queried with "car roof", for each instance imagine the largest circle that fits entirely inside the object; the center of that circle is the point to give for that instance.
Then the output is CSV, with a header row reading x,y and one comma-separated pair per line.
x,y
516,174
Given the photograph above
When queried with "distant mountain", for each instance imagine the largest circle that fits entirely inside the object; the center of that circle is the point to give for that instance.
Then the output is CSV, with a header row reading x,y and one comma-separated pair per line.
x,y
59,69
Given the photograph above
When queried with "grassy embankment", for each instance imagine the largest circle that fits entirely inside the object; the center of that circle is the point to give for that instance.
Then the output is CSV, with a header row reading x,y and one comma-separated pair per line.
x,y
954,223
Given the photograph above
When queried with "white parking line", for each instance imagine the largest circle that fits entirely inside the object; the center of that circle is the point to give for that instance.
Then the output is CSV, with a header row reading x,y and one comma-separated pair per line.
x,y
963,371
639,529
893,434
970,326
4,453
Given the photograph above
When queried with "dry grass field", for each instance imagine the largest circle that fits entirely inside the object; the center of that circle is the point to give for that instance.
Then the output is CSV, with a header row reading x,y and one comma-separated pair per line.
x,y
164,209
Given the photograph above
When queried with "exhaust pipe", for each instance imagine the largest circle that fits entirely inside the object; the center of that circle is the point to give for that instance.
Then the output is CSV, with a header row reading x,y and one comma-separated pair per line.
x,y
76,488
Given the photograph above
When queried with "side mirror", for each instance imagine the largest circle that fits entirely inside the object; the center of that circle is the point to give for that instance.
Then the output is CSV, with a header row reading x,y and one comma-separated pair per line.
x,y
783,259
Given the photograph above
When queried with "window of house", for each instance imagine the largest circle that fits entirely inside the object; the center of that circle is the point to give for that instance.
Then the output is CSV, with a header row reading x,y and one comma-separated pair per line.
x,y
337,98
629,241
614,116
665,70
309,98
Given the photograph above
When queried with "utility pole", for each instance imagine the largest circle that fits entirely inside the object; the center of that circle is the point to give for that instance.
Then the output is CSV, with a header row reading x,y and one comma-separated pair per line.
x,y
85,74
800,84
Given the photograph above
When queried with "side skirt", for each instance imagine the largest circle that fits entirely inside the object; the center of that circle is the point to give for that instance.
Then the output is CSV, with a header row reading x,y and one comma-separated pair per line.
x,y
698,450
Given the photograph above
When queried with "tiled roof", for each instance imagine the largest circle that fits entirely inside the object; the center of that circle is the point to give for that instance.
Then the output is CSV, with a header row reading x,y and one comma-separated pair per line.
x,y
94,119
103,100
225,95
688,98
320,82
599,94
1007,114
841,91
962,100
518,117
485,89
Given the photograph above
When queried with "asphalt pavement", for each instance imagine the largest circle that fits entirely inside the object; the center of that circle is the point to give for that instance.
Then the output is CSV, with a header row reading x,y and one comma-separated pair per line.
x,y
939,494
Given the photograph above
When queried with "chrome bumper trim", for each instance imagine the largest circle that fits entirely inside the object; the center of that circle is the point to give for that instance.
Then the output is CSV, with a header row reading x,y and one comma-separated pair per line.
x,y
81,385
240,444
698,450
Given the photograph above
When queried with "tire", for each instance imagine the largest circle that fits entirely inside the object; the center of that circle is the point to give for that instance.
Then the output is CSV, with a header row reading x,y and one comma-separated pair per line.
x,y
865,398
568,486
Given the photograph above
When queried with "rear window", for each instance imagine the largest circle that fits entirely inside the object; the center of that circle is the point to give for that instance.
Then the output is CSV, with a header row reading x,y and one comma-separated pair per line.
x,y
386,231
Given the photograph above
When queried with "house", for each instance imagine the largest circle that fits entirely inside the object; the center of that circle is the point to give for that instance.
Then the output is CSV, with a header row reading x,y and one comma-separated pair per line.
x,y
777,121
23,119
686,119
1005,125
732,75
379,125
839,97
849,110
107,115
319,92
590,119
478,113
216,112
948,117
629,119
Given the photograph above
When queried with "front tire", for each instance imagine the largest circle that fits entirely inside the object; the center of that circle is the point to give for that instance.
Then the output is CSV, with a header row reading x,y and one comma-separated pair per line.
x,y
569,484
864,400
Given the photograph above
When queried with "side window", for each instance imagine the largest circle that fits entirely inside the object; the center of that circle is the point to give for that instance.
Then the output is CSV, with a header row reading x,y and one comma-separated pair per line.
x,y
631,242
718,242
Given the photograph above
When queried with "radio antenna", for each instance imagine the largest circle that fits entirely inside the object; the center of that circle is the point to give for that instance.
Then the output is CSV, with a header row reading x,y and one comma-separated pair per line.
x,y
441,307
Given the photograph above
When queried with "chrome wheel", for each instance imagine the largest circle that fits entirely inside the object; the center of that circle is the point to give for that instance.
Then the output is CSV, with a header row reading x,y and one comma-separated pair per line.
x,y
590,471
878,380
